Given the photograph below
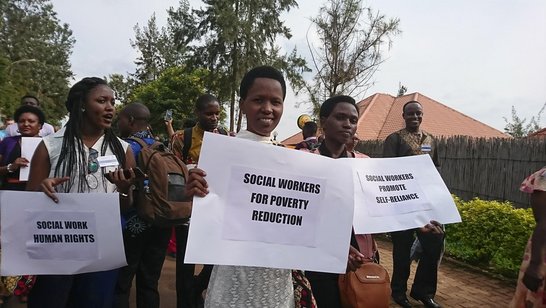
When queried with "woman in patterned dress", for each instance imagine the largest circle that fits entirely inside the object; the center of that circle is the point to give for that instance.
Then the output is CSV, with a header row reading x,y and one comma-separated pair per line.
x,y
530,287
262,92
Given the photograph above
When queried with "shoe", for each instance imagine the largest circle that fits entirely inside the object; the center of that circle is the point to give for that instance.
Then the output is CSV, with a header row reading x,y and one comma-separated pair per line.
x,y
402,300
426,300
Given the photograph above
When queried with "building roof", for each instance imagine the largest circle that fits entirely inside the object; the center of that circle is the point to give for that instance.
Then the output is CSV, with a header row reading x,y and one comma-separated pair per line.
x,y
381,115
541,133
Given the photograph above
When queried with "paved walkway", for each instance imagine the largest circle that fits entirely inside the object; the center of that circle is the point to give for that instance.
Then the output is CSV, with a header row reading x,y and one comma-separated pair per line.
x,y
457,286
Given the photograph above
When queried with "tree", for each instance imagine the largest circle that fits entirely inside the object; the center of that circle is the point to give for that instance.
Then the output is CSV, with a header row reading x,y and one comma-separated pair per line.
x,y
34,51
402,89
122,86
236,35
157,51
176,88
518,127
352,38
226,38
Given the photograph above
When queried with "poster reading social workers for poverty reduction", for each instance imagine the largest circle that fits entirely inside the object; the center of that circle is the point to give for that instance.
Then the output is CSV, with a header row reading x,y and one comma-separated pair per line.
x,y
278,204
393,194
270,206
80,234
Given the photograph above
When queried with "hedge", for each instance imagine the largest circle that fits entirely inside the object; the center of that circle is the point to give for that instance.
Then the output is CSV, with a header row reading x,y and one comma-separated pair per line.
x,y
492,235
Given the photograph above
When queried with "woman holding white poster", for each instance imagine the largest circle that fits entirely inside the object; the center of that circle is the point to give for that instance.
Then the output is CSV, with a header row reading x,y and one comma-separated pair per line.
x,y
29,121
262,92
77,159
338,119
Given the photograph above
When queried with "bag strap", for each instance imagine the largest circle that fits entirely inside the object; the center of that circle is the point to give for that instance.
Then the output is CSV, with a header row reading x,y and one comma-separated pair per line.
x,y
187,143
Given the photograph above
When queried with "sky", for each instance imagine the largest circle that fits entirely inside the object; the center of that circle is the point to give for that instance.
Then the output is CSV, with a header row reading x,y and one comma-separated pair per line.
x,y
477,57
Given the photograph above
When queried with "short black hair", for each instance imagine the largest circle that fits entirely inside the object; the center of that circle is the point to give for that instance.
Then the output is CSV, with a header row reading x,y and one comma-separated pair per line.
x,y
137,111
30,96
204,100
329,104
309,129
261,72
410,102
29,109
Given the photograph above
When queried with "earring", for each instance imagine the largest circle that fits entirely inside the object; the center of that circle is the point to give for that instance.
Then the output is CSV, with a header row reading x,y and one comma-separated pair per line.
x,y
83,109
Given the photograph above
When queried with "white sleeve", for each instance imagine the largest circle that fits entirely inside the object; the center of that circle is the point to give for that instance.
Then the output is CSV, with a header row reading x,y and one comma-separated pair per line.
x,y
47,129
12,130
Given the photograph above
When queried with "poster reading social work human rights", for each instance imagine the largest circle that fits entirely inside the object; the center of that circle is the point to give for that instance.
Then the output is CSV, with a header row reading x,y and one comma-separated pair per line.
x,y
393,194
271,206
80,234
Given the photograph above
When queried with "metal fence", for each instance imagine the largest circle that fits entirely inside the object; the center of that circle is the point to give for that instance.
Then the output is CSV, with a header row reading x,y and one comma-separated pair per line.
x,y
484,168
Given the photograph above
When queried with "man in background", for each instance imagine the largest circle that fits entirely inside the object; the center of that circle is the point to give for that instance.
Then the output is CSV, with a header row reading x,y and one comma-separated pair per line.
x,y
186,145
145,244
412,140
310,140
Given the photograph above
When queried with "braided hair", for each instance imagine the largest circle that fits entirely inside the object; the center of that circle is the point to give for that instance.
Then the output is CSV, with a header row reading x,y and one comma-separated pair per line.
x,y
72,158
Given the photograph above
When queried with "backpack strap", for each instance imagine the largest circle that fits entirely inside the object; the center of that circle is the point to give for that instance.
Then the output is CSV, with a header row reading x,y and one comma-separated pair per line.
x,y
187,143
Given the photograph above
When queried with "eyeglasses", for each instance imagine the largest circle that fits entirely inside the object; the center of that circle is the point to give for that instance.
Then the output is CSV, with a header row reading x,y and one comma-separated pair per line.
x,y
92,163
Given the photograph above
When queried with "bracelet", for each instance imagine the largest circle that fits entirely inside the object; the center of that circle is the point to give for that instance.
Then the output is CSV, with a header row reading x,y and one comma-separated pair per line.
x,y
8,169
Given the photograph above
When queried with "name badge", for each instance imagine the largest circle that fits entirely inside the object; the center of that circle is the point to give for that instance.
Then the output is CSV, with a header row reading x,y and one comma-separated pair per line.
x,y
108,161
426,148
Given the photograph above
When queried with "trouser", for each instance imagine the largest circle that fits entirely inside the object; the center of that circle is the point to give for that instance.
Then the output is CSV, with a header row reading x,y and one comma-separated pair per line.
x,y
185,296
426,276
145,253
325,289
89,290
188,287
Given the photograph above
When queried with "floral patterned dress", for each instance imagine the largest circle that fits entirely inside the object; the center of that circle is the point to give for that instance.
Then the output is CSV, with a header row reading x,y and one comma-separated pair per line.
x,y
523,297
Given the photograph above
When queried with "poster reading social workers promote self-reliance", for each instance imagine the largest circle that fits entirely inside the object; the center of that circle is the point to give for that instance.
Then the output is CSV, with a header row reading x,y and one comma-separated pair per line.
x,y
393,194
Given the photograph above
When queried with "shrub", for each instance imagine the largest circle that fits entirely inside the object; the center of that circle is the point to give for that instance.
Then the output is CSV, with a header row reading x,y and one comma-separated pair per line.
x,y
492,234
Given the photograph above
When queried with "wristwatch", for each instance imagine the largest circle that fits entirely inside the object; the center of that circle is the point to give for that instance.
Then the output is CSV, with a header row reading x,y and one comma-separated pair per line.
x,y
9,169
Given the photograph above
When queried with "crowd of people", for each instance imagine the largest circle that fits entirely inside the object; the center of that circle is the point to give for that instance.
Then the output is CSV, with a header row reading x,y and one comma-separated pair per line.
x,y
66,162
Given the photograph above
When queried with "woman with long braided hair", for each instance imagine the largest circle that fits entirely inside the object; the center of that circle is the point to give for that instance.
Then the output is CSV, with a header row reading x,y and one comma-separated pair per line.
x,y
67,162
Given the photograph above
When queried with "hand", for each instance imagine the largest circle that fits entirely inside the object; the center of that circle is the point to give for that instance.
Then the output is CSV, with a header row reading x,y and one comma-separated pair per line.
x,y
531,278
168,122
123,179
48,186
196,185
356,259
18,163
433,227
532,283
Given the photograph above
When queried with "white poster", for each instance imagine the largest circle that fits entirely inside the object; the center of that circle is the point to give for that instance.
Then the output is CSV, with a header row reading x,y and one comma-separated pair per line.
x,y
393,194
270,206
28,147
80,234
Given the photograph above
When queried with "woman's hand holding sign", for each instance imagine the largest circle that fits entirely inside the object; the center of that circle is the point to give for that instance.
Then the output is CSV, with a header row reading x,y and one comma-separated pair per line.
x,y
433,227
48,186
196,184
356,259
